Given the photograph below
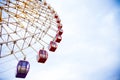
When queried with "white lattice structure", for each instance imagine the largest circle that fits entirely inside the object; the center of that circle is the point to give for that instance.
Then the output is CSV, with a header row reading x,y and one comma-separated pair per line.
x,y
25,25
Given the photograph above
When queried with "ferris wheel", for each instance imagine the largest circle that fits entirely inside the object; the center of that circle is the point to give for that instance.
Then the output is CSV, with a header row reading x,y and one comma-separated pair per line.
x,y
28,25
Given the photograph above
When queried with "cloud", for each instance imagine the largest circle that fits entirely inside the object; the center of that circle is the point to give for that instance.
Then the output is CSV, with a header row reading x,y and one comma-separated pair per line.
x,y
90,46
93,40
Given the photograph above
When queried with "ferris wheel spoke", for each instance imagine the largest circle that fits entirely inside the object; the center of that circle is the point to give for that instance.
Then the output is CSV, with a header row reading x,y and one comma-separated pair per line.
x,y
0,14
14,15
14,43
28,27
0,50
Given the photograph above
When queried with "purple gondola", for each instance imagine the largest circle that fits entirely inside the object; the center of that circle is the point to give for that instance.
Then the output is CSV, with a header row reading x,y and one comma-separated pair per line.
x,y
42,56
22,69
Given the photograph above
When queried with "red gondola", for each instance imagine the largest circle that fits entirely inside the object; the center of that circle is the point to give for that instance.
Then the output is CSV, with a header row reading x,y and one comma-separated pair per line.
x,y
53,11
56,15
60,31
22,69
42,56
45,3
52,46
59,25
58,38
58,20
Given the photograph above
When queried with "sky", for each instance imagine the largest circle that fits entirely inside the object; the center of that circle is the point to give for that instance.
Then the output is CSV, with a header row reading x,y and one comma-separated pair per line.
x,y
90,48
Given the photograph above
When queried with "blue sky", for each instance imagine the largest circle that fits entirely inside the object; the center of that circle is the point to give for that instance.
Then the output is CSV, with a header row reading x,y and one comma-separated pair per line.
x,y
90,46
